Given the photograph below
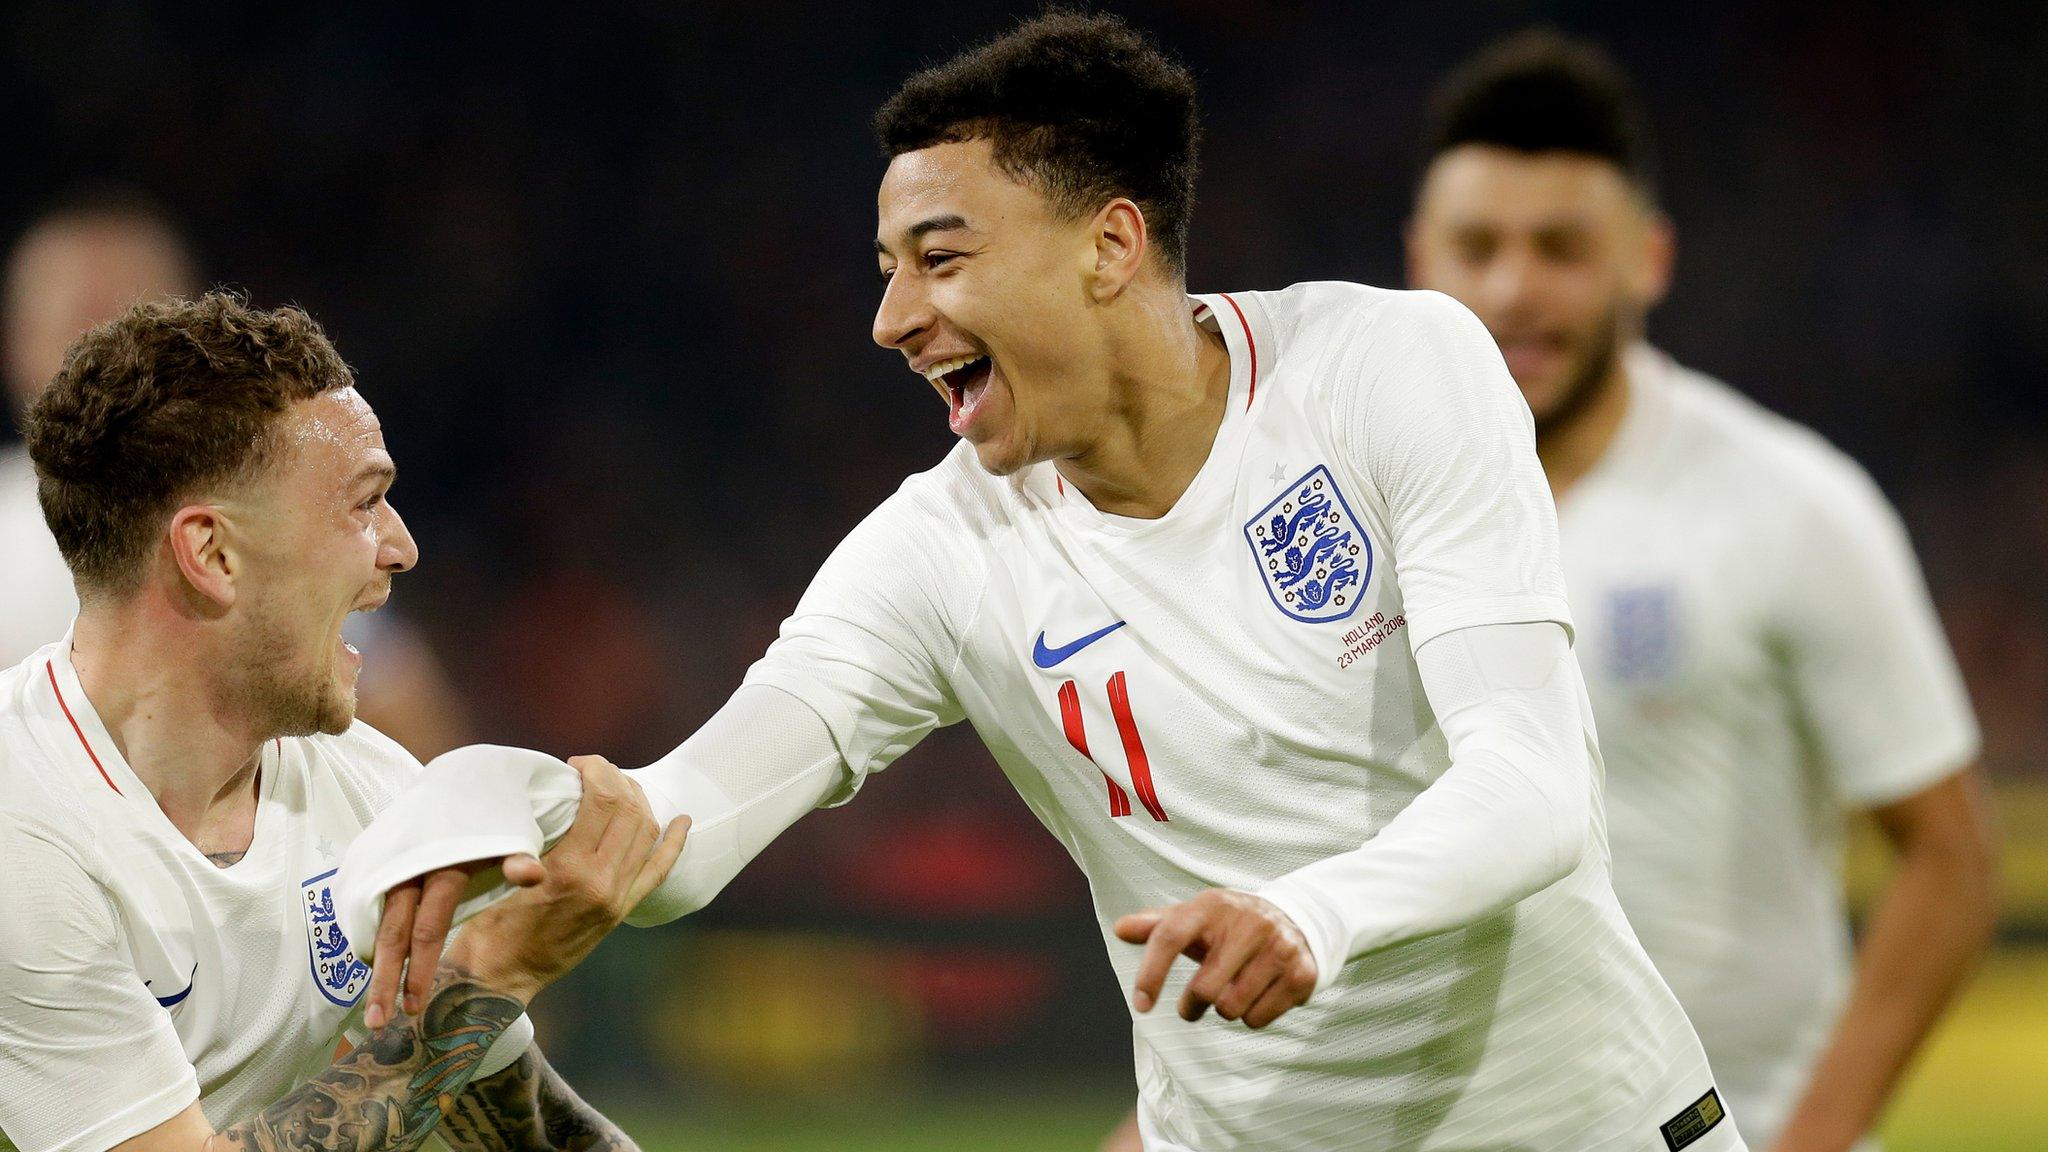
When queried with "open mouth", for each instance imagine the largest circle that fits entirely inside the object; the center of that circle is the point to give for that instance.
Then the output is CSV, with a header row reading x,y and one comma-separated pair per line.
x,y
350,657
963,381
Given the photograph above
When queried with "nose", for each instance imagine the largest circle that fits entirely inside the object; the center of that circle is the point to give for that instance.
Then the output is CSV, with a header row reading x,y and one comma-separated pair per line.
x,y
905,312
1510,281
396,551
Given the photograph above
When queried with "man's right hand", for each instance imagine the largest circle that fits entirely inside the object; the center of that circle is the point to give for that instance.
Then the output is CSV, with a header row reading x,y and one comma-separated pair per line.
x,y
605,864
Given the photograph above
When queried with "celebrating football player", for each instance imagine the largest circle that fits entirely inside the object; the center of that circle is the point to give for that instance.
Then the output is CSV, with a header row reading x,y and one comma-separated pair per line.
x,y
1255,597
1761,652
180,774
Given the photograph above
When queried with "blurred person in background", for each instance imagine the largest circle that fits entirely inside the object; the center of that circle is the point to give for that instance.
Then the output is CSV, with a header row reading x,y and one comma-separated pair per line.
x,y
1763,657
82,262
180,772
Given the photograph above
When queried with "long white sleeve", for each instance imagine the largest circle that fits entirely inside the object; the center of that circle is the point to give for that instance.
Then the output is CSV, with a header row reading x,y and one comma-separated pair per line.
x,y
758,764
750,772
1509,817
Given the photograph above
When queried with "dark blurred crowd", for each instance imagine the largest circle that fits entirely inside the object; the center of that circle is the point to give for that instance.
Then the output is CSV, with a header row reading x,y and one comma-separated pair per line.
x,y
604,270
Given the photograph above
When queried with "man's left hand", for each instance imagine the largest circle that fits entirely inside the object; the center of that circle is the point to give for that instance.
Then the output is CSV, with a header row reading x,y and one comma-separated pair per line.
x,y
1255,964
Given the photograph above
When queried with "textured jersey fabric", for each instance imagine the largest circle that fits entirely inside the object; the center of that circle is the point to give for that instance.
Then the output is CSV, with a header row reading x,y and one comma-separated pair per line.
x,y
1227,694
135,975
1763,657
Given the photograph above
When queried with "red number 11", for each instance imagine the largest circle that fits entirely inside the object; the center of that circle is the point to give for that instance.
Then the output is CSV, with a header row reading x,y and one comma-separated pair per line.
x,y
1134,748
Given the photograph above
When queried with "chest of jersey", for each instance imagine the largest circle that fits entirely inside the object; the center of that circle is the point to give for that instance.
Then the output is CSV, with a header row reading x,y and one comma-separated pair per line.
x,y
248,961
1669,600
1238,670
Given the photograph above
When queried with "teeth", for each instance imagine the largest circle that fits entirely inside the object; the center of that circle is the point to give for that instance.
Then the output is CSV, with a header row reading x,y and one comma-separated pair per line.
x,y
936,371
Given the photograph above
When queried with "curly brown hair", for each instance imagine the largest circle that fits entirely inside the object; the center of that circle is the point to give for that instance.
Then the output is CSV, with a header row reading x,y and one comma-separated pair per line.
x,y
173,399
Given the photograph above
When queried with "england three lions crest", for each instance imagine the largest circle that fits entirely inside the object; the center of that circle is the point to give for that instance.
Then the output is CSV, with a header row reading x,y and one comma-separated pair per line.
x,y
1310,550
336,971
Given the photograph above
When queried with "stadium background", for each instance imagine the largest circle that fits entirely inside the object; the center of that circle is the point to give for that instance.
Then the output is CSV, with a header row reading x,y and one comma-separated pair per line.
x,y
604,271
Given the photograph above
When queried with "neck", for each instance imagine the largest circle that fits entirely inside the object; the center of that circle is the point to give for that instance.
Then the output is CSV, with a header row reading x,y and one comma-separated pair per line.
x,y
151,676
1169,385
1572,448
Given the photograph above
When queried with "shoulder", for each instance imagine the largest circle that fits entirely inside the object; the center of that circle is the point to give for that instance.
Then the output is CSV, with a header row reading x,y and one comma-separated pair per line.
x,y
957,501
921,553
52,868
370,767
1789,470
1356,339
36,795
1339,312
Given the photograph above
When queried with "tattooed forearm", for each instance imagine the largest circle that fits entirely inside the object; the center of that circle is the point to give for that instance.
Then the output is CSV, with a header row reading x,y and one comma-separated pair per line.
x,y
528,1108
387,1095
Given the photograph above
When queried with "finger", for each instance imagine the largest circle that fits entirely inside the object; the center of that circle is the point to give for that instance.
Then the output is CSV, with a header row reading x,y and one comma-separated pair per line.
x,y
1296,984
438,897
1243,938
594,812
647,835
1276,1001
1134,928
1175,931
628,839
626,869
524,871
661,861
392,933
1251,983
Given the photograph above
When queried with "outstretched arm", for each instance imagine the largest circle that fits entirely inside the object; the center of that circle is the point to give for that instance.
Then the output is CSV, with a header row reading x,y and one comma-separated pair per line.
x,y
860,674
750,772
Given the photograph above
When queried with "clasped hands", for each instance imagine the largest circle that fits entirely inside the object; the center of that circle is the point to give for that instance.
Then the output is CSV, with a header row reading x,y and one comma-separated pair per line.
x,y
569,899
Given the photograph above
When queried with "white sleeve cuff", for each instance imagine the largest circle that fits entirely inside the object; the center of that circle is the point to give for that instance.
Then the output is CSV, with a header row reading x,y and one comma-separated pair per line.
x,y
1323,929
475,803
511,1044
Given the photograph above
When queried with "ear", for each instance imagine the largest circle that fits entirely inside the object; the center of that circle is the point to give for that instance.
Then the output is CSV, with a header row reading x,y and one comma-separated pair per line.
x,y
1654,265
1121,243
199,547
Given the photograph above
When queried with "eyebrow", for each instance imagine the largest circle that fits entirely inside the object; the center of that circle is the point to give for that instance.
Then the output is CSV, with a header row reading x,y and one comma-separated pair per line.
x,y
951,222
385,471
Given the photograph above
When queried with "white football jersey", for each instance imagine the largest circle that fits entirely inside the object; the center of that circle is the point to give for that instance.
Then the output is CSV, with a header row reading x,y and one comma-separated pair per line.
x,y
1762,657
36,597
135,975
1228,693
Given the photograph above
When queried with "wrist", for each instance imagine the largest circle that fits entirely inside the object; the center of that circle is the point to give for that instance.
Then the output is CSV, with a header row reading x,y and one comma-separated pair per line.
x,y
471,958
1321,930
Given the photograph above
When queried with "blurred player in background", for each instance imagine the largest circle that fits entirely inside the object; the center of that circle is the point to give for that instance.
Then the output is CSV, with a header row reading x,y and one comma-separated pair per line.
x,y
1762,653
1255,598
181,771
83,261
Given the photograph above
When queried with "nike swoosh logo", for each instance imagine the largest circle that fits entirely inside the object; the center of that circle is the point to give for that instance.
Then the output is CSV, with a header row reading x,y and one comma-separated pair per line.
x,y
1048,657
175,997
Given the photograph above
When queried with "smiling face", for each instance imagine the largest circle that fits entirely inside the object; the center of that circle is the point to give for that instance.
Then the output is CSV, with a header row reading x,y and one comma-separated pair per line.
x,y
310,539
1555,251
987,293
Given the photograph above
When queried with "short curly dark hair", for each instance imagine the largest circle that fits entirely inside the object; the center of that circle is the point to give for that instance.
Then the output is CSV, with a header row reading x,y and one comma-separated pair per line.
x,y
1082,107
1542,91
169,400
